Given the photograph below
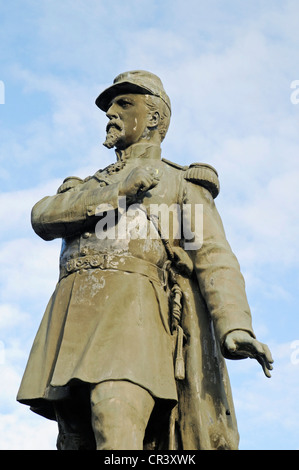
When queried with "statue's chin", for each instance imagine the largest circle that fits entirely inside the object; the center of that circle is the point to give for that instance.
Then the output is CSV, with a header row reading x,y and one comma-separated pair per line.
x,y
113,138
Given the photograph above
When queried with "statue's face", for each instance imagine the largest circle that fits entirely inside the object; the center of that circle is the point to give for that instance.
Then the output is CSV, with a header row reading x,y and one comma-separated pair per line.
x,y
128,120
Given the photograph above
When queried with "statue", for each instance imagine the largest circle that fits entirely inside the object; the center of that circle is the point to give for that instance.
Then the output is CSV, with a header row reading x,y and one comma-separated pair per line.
x,y
130,353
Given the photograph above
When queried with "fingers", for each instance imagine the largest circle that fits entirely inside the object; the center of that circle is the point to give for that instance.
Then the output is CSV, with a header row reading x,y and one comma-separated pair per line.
x,y
262,354
268,354
249,347
139,181
230,344
149,179
266,367
264,357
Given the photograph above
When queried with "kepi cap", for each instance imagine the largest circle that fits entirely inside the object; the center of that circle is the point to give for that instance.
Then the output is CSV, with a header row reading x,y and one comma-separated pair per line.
x,y
136,81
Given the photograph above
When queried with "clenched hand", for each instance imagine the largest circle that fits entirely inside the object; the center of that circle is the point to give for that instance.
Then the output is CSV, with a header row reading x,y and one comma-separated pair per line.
x,y
138,181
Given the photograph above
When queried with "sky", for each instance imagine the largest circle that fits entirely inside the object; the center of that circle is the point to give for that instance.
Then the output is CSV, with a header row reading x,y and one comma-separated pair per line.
x,y
231,70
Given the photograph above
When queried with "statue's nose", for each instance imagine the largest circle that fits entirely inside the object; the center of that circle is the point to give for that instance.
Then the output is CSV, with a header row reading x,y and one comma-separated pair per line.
x,y
111,112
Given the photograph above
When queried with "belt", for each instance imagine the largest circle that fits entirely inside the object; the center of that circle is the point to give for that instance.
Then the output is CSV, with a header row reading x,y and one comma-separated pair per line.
x,y
117,263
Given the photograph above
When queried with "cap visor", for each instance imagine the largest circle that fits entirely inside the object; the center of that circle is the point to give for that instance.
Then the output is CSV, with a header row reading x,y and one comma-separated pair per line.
x,y
105,98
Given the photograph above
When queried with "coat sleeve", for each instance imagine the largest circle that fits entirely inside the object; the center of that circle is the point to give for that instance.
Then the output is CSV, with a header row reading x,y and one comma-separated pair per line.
x,y
217,269
72,211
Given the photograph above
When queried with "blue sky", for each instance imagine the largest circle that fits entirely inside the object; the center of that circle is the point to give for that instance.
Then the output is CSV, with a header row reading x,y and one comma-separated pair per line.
x,y
227,67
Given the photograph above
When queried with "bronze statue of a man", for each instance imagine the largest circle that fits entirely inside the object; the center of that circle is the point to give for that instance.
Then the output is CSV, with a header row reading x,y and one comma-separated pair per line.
x,y
130,351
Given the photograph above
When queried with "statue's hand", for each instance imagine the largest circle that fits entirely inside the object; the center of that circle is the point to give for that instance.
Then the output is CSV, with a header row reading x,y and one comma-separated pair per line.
x,y
139,180
240,342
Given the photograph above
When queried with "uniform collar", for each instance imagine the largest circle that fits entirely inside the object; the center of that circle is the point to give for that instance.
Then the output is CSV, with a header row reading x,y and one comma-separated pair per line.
x,y
136,151
139,150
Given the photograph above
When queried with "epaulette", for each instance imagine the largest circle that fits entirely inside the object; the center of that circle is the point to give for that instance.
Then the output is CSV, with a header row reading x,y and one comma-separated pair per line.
x,y
199,173
204,175
69,183
174,165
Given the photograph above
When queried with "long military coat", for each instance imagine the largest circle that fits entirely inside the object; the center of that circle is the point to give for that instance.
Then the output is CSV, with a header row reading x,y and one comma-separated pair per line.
x,y
109,316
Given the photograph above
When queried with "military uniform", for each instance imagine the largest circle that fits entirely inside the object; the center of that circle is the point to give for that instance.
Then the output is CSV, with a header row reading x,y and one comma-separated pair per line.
x,y
112,294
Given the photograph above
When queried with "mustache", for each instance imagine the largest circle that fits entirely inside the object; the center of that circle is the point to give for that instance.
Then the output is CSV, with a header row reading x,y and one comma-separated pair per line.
x,y
116,123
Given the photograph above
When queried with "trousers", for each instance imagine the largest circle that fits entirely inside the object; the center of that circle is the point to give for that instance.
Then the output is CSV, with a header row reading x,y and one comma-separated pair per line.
x,y
111,415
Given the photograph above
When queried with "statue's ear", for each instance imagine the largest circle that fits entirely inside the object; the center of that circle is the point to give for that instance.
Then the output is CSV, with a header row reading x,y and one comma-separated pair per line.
x,y
153,119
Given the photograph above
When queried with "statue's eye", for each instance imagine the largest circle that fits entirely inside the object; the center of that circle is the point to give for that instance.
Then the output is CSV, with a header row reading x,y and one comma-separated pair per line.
x,y
124,103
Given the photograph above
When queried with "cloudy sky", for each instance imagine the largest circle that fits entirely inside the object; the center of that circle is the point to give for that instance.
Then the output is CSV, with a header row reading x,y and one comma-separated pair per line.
x,y
229,67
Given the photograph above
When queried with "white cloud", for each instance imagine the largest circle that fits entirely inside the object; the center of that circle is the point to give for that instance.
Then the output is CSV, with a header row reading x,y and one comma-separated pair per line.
x,y
29,268
15,207
20,428
264,406
67,136
22,431
11,315
267,222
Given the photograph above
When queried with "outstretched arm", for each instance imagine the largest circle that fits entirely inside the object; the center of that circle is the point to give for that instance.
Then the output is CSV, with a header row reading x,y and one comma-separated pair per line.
x,y
222,285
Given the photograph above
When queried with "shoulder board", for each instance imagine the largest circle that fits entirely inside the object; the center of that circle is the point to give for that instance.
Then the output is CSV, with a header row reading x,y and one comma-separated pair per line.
x,y
204,175
174,165
69,183
87,179
74,179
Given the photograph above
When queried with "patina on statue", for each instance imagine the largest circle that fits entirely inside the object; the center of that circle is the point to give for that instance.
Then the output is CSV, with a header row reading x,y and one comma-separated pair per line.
x,y
130,351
